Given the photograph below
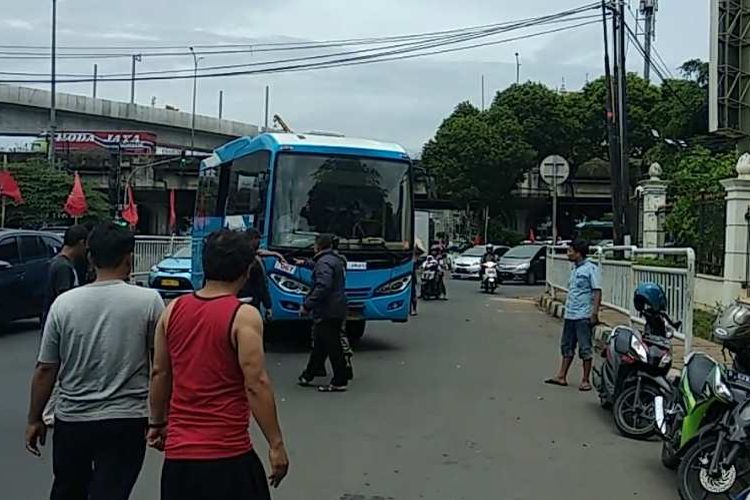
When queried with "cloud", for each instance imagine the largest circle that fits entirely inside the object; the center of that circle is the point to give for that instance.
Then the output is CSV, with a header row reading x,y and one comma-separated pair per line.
x,y
18,24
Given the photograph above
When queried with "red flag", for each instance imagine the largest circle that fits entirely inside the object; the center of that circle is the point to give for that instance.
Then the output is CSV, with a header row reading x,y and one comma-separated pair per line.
x,y
9,187
172,214
130,214
76,205
532,236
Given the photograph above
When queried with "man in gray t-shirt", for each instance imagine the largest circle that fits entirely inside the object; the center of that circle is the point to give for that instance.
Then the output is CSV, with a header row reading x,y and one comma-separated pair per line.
x,y
96,344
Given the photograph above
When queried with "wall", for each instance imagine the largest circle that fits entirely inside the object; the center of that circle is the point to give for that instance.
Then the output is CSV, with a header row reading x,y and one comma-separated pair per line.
x,y
708,291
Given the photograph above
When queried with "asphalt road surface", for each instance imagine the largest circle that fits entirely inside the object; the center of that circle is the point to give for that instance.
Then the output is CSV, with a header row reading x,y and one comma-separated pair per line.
x,y
450,406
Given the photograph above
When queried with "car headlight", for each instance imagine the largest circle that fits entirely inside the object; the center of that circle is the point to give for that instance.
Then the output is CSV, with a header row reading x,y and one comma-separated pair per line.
x,y
718,387
154,269
523,267
290,285
394,286
639,348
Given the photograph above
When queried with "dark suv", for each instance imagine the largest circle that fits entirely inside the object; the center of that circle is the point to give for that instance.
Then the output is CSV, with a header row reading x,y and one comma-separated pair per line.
x,y
24,261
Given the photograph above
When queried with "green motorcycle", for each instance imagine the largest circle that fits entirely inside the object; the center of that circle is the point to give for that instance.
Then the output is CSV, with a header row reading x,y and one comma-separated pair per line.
x,y
693,406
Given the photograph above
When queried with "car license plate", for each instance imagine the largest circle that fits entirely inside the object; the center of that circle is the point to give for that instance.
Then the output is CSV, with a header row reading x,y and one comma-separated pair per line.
x,y
169,282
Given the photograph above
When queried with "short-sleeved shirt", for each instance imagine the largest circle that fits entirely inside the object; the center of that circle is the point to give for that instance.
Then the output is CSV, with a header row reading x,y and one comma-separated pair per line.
x,y
584,279
61,277
101,335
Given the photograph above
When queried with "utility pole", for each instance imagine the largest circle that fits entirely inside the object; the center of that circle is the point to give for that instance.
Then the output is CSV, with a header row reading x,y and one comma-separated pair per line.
x,y
518,69
136,58
221,104
196,59
53,85
482,92
96,70
268,95
622,88
612,114
648,9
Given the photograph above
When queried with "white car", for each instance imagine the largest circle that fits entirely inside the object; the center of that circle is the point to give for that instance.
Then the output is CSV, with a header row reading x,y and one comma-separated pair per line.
x,y
469,263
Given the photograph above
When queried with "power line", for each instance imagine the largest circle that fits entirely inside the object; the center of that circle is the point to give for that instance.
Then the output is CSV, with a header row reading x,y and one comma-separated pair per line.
x,y
395,50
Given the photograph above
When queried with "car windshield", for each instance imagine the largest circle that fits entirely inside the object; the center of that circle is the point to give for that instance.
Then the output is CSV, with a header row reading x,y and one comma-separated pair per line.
x,y
183,253
366,202
522,252
475,252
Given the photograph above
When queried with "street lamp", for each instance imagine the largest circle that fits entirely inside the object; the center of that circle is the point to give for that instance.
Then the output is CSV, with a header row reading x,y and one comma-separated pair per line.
x,y
53,82
196,60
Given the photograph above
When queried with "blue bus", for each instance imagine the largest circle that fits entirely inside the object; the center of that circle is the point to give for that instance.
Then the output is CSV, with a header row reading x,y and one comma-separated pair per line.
x,y
292,187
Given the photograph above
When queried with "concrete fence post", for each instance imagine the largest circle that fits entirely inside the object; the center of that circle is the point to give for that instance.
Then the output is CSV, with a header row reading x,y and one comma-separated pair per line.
x,y
654,193
736,237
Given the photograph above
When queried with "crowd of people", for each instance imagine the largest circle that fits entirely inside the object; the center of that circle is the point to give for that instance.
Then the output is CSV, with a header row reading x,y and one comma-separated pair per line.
x,y
128,372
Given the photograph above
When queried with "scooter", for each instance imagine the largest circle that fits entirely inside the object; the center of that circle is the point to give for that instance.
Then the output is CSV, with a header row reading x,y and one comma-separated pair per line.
x,y
633,373
430,279
489,277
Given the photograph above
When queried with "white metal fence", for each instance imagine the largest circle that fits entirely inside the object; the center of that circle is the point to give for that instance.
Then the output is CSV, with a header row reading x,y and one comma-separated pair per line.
x,y
150,250
620,277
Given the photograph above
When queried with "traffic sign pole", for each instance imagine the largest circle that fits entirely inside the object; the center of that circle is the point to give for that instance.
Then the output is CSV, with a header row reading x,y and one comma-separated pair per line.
x,y
554,205
554,170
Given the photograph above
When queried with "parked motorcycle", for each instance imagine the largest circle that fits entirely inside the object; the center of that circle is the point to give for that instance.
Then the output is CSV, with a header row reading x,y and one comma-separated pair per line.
x,y
717,462
431,276
489,277
634,368
692,407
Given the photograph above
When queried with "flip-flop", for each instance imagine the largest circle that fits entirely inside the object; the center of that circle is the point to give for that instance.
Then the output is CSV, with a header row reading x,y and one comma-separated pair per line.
x,y
303,382
554,381
585,387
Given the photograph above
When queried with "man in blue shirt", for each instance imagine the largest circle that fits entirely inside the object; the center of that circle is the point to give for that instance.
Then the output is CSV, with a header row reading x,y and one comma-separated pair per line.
x,y
581,314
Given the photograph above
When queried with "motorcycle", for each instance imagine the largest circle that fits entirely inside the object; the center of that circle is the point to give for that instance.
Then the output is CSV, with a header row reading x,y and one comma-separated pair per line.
x,y
690,408
489,277
632,375
431,276
717,462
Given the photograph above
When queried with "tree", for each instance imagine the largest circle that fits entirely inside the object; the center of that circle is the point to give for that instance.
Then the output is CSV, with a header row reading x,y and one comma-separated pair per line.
x,y
696,70
45,190
474,159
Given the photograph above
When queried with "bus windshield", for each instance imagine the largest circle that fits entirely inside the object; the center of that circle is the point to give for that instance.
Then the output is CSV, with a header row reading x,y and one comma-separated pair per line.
x,y
366,202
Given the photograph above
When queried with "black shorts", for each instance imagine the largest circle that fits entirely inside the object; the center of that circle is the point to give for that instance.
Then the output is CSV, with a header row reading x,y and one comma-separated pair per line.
x,y
236,478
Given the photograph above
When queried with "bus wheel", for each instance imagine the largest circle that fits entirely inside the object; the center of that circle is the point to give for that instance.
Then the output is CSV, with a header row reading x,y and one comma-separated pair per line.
x,y
355,330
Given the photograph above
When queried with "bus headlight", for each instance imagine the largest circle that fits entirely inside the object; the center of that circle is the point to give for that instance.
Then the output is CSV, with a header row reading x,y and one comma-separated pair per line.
x,y
394,286
290,285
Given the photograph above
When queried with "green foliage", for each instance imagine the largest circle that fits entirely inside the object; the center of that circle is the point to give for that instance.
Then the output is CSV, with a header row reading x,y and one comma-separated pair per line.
x,y
497,233
45,191
703,322
476,159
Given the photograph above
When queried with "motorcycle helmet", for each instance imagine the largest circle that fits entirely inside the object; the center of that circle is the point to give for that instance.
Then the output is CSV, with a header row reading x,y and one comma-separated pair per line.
x,y
732,328
489,248
649,297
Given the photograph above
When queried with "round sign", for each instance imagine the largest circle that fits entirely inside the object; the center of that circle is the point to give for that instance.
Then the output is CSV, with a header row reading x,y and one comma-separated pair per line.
x,y
554,170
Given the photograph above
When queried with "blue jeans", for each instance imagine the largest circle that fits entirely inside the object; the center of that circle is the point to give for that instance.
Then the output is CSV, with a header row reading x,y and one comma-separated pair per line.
x,y
576,331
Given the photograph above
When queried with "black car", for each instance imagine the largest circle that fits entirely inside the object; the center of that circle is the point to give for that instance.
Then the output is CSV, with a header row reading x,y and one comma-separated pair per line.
x,y
24,262
524,263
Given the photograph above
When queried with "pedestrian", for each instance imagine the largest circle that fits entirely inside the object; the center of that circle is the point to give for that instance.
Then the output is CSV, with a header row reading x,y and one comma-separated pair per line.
x,y
208,378
418,252
581,314
63,273
96,343
326,303
256,287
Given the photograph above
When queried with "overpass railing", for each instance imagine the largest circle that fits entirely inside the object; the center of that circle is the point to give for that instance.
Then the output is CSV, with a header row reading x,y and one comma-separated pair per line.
x,y
623,268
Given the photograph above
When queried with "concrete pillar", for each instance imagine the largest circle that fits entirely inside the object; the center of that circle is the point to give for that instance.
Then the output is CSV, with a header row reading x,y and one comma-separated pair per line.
x,y
654,193
735,239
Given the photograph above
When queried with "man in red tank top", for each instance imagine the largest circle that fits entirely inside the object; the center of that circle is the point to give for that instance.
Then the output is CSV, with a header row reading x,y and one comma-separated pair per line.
x,y
208,378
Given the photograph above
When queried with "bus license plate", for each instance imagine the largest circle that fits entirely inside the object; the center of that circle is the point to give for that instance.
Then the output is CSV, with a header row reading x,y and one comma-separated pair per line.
x,y
169,282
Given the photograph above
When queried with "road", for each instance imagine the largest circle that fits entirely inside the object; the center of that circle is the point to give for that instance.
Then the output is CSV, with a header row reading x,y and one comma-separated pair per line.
x,y
447,407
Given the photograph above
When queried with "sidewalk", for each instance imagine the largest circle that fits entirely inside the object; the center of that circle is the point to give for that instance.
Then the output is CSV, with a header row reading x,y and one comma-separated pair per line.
x,y
610,318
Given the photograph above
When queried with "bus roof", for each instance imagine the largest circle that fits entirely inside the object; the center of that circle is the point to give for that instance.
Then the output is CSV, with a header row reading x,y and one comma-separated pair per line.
x,y
305,143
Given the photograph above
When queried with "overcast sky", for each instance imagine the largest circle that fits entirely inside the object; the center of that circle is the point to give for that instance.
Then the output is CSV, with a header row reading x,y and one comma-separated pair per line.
x,y
400,101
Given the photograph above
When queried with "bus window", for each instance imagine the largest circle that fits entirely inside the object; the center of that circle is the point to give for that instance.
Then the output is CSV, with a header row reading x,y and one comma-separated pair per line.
x,y
247,185
208,193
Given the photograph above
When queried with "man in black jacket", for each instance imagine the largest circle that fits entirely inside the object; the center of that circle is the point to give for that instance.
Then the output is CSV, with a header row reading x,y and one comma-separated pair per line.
x,y
326,303
256,286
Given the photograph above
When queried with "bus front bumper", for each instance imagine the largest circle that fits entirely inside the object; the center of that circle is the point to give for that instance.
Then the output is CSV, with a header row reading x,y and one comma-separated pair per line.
x,y
392,307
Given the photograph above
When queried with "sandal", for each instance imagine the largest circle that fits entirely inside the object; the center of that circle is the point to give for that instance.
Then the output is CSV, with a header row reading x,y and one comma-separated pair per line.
x,y
585,387
332,388
304,382
554,381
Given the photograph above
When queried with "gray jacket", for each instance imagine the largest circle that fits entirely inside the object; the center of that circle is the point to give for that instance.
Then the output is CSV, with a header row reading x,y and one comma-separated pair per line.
x,y
327,299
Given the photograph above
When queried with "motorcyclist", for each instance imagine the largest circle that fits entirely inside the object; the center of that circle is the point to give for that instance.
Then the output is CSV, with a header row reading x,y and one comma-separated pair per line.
x,y
436,252
489,256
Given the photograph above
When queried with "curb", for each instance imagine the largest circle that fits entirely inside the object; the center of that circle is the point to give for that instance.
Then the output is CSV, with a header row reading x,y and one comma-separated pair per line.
x,y
557,309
